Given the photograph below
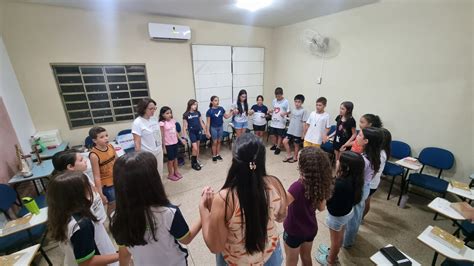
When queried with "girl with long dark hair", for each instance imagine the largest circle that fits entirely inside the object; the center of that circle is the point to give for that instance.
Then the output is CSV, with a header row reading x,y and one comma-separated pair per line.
x,y
145,224
239,221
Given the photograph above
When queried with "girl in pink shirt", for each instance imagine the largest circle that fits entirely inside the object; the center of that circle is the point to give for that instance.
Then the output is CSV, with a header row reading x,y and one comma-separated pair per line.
x,y
170,142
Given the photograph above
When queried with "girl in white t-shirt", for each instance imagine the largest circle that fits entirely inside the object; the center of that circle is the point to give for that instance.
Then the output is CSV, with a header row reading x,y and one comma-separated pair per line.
x,y
72,223
145,224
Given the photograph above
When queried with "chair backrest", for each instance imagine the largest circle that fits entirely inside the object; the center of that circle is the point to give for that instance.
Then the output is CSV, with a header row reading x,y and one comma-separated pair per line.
x,y
332,129
178,127
7,197
399,149
125,139
88,143
436,157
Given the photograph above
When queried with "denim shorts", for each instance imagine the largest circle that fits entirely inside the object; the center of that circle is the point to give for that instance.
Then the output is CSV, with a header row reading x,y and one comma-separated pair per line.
x,y
217,133
337,222
240,125
276,259
109,193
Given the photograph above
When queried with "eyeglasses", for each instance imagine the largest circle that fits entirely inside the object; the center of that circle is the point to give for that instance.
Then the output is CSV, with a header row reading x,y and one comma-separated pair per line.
x,y
152,108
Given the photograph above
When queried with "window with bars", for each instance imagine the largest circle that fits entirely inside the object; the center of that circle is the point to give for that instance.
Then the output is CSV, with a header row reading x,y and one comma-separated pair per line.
x,y
97,94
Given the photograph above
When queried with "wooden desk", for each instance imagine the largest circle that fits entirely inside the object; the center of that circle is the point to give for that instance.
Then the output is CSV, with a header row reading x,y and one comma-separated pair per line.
x,y
408,165
379,259
44,170
48,153
466,254
41,218
464,194
23,257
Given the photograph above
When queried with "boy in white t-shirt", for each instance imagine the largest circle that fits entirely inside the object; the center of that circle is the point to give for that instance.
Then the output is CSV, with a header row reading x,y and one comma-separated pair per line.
x,y
280,109
317,125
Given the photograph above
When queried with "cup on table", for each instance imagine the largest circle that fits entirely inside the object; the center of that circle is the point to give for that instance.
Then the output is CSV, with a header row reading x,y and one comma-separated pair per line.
x,y
30,205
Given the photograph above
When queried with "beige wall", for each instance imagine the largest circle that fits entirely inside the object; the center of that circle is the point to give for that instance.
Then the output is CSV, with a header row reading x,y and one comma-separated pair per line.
x,y
408,61
39,35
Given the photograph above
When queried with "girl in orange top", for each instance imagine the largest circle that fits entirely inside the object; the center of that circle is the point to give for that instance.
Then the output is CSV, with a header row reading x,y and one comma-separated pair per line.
x,y
249,194
367,120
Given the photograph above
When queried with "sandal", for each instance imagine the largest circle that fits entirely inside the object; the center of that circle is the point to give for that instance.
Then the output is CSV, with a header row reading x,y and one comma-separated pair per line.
x,y
291,160
287,160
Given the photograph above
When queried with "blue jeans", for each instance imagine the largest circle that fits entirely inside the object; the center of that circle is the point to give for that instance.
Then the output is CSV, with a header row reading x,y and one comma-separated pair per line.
x,y
276,259
352,226
109,193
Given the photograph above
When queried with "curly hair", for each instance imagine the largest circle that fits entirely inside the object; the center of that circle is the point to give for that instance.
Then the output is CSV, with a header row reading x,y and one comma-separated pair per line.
x,y
315,167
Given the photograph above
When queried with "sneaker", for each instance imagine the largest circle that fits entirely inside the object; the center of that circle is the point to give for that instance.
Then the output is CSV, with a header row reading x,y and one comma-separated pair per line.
x,y
173,178
323,249
322,259
200,164
277,151
219,157
178,175
214,158
196,166
273,148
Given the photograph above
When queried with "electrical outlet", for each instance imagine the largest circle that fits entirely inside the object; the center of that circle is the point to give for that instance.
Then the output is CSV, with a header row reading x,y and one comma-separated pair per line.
x,y
320,80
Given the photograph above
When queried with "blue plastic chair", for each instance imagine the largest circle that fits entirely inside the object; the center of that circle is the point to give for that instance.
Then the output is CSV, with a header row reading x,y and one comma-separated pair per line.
x,y
438,158
88,143
328,146
399,150
19,240
182,149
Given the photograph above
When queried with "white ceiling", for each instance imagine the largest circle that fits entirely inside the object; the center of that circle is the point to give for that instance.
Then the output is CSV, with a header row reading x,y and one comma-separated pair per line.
x,y
281,12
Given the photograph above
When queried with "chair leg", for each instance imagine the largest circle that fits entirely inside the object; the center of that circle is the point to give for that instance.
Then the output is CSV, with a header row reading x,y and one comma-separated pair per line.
x,y
43,253
391,186
436,216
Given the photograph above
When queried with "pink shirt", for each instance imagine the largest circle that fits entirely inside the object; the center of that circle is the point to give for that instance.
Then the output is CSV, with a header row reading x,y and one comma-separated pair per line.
x,y
169,132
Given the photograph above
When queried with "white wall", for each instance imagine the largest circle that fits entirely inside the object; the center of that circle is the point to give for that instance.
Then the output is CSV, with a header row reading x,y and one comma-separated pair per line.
x,y
12,95
408,61
38,35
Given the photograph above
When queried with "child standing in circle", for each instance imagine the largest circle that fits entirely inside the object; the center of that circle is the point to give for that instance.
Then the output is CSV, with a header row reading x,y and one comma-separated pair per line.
x,y
215,126
308,194
170,141
194,126
259,117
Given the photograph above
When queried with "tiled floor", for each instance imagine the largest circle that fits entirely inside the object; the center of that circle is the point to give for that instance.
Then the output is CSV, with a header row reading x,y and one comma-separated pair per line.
x,y
386,223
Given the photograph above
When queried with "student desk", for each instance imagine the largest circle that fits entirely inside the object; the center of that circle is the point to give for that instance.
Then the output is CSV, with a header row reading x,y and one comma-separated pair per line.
x,y
44,170
466,254
379,259
22,257
443,207
408,165
35,220
48,153
463,194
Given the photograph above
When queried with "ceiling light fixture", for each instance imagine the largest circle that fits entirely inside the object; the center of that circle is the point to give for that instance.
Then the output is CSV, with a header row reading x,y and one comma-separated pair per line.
x,y
253,5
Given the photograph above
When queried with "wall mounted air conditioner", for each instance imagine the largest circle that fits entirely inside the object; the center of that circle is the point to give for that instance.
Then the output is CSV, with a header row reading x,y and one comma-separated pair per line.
x,y
169,32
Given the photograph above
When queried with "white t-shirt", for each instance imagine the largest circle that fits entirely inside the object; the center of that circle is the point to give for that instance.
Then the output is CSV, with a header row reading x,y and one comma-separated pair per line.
x,y
318,123
240,118
97,207
376,180
279,107
85,239
171,227
149,131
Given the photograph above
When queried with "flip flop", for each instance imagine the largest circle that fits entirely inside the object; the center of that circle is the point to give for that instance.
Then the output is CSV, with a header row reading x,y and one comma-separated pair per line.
x,y
287,160
291,160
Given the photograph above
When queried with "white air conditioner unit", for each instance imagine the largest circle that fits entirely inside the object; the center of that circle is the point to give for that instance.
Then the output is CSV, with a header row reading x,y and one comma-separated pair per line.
x,y
169,32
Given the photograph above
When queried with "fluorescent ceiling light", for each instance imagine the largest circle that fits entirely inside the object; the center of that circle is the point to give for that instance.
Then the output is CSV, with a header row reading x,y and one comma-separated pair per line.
x,y
253,5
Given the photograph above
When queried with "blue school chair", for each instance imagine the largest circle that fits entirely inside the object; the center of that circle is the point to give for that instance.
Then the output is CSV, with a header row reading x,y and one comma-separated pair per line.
x,y
182,149
437,158
88,143
328,147
399,150
24,238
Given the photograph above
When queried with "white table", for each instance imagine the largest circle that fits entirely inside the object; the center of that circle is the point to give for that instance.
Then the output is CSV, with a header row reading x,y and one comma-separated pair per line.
x,y
466,254
24,256
409,163
443,207
379,259
35,220
461,192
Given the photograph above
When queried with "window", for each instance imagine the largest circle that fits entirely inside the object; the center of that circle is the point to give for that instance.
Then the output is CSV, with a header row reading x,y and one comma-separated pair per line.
x,y
97,94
